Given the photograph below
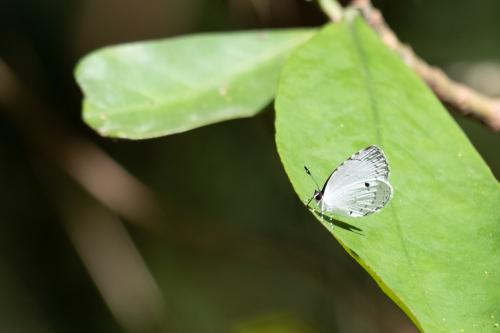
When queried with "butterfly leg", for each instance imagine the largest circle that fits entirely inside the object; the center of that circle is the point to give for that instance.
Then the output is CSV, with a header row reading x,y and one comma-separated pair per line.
x,y
319,211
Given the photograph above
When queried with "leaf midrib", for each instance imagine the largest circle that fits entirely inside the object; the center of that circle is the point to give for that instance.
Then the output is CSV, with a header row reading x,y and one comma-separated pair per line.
x,y
367,78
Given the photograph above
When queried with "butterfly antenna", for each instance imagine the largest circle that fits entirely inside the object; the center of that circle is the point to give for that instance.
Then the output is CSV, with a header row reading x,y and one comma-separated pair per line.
x,y
312,177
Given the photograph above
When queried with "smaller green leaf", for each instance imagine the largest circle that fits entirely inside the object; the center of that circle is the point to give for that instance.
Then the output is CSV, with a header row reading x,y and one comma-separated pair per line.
x,y
149,89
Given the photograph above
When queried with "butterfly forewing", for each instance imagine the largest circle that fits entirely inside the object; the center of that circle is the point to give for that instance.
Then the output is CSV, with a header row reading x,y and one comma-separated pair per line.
x,y
367,163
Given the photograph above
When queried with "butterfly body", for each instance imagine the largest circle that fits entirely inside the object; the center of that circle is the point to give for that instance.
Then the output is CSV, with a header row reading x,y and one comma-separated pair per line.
x,y
357,187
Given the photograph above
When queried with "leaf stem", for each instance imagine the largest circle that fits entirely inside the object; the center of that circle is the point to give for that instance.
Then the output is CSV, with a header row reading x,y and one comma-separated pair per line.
x,y
332,9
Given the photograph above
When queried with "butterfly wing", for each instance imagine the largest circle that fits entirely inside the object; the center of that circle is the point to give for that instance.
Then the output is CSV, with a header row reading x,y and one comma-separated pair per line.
x,y
359,186
359,198
368,163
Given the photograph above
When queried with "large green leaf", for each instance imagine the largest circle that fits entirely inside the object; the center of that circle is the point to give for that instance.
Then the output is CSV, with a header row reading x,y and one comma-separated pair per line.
x,y
435,249
149,89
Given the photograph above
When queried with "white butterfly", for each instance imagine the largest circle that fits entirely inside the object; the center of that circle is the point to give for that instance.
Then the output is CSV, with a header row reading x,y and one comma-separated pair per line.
x,y
357,187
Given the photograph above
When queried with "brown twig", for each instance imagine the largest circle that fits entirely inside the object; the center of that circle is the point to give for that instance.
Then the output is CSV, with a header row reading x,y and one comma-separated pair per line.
x,y
462,98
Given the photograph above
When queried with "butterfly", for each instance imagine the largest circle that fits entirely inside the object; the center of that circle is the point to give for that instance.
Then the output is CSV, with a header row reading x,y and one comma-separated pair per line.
x,y
357,187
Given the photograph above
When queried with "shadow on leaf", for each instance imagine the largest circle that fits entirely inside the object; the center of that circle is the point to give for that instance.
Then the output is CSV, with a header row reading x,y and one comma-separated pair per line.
x,y
337,223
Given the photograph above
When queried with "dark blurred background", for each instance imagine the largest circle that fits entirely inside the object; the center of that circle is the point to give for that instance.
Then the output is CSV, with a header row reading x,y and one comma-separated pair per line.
x,y
195,232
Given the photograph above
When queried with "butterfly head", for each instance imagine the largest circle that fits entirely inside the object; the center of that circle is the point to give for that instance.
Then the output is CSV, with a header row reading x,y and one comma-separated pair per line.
x,y
318,195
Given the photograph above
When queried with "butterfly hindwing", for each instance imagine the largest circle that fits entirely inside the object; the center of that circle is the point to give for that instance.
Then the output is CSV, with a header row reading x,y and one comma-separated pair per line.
x,y
359,198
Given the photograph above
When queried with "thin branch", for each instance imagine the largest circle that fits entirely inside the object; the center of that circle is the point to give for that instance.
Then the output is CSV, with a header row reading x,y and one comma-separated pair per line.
x,y
461,97
464,99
